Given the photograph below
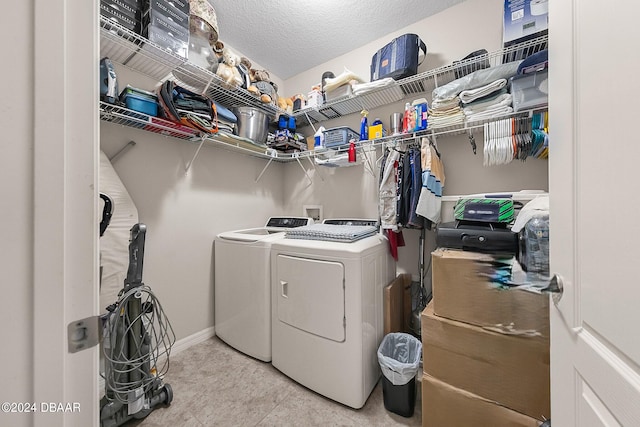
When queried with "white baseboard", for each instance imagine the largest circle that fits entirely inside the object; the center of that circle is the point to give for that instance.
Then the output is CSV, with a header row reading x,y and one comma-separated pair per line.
x,y
191,340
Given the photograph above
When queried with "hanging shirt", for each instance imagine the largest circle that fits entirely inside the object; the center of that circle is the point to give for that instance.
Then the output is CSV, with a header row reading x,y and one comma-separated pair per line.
x,y
430,202
388,198
415,164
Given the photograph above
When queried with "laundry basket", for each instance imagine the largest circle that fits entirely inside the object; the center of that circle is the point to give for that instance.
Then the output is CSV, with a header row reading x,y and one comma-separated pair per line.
x,y
399,358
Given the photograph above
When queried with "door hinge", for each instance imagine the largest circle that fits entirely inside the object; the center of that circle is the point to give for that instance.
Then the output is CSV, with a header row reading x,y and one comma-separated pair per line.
x,y
84,334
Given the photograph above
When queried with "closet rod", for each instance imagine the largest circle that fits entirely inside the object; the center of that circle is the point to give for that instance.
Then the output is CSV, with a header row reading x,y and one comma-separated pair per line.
x,y
202,140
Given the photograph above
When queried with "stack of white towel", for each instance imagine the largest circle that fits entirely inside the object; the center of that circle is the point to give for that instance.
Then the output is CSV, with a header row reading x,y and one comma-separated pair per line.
x,y
445,112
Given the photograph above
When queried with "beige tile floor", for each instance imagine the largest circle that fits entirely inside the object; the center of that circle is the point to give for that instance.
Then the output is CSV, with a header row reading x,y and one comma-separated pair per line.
x,y
215,385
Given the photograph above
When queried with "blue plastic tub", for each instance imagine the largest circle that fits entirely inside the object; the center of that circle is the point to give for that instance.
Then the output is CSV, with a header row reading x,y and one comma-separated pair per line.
x,y
141,103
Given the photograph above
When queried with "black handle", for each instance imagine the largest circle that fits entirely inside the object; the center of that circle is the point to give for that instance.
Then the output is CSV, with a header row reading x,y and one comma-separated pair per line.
x,y
423,47
107,213
136,255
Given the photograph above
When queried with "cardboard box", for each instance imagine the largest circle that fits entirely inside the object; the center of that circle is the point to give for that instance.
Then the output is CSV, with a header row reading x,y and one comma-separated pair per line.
x,y
510,370
397,305
446,406
462,291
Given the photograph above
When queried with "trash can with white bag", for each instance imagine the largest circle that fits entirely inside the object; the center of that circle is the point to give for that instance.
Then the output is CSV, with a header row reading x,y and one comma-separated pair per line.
x,y
399,358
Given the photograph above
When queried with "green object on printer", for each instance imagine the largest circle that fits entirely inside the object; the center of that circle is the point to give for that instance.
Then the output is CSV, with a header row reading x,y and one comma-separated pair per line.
x,y
484,210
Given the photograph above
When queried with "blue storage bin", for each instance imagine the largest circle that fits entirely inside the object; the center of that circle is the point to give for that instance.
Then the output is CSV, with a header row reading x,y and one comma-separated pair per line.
x,y
141,103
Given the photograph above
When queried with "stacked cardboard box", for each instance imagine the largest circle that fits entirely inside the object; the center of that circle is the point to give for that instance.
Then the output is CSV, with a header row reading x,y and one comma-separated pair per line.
x,y
485,347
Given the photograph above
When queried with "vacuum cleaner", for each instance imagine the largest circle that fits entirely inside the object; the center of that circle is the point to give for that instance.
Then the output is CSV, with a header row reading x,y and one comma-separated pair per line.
x,y
136,346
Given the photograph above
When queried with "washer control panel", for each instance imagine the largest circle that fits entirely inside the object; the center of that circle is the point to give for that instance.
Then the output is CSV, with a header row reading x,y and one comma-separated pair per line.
x,y
288,222
351,221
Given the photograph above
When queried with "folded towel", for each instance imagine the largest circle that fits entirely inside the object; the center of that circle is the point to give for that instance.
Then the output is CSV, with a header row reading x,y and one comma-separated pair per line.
x,y
451,120
445,103
503,100
471,95
442,113
331,232
361,88
490,114
487,98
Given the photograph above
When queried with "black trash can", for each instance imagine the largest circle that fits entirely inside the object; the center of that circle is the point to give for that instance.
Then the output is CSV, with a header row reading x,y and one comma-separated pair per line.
x,y
399,358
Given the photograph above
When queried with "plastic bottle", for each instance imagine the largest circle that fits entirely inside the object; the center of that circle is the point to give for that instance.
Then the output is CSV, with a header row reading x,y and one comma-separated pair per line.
x,y
352,152
405,118
364,127
375,130
318,142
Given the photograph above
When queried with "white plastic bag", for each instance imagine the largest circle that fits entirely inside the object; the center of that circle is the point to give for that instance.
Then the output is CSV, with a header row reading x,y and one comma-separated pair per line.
x,y
399,357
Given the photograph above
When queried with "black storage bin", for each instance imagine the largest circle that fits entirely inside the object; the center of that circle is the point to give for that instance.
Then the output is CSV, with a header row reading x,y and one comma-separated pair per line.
x,y
399,399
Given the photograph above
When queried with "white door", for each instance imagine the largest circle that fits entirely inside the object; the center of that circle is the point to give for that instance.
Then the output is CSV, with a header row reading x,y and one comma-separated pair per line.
x,y
65,233
595,343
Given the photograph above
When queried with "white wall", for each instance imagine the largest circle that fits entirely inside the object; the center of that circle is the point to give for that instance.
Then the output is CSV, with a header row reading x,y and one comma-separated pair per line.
x,y
184,211
449,35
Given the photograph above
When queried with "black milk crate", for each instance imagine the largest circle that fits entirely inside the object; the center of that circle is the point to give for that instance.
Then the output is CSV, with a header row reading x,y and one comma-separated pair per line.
x,y
339,136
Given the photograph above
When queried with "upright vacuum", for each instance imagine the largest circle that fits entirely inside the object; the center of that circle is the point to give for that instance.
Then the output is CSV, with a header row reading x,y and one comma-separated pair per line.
x,y
136,346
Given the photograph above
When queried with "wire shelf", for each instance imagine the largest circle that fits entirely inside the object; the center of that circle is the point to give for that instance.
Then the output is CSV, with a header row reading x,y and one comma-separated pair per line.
x,y
418,84
123,116
136,52
202,81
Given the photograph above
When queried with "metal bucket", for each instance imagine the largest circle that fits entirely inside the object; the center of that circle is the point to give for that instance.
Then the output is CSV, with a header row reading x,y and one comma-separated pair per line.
x,y
252,124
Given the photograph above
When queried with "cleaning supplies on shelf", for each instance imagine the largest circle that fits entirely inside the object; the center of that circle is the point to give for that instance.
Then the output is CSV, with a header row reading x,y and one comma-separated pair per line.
x,y
406,118
376,130
421,107
352,152
318,138
364,126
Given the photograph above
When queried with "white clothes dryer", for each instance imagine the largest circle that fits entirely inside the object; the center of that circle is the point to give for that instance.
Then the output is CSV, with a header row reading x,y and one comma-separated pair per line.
x,y
242,285
327,313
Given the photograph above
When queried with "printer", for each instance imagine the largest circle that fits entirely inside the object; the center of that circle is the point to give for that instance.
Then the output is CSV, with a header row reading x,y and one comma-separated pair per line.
x,y
481,225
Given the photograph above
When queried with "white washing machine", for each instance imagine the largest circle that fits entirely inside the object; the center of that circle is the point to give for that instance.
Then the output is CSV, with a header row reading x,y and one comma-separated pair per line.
x,y
242,287
327,313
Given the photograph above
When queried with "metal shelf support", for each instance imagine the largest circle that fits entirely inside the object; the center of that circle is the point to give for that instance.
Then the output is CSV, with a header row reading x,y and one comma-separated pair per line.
x,y
121,151
202,140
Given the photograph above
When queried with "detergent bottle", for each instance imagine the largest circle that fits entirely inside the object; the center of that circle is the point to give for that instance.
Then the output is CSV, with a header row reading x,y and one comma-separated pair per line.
x,y
364,126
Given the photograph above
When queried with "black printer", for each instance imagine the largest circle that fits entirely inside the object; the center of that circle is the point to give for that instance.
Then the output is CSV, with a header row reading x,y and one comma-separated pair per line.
x,y
477,236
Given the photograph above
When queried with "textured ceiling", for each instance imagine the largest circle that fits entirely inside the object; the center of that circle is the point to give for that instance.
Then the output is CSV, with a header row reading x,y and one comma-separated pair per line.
x,y
288,37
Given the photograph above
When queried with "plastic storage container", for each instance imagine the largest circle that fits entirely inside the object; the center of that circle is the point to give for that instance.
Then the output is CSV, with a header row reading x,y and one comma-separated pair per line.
x,y
530,90
534,245
399,358
140,100
339,136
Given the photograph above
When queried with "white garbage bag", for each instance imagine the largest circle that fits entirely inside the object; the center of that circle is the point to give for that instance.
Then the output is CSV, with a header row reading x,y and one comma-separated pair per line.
x,y
399,357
